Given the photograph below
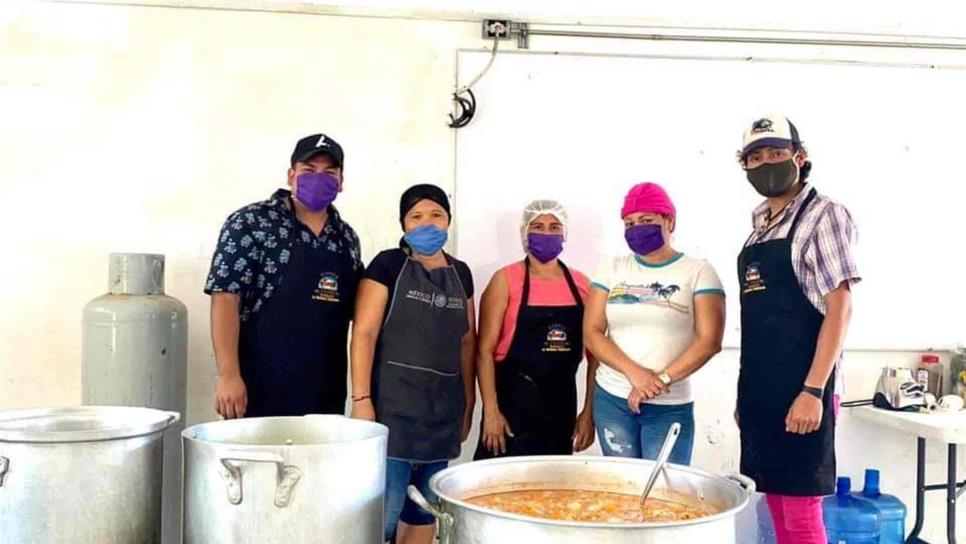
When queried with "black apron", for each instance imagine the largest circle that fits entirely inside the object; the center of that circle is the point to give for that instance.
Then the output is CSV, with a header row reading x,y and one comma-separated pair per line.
x,y
292,352
779,334
536,384
417,384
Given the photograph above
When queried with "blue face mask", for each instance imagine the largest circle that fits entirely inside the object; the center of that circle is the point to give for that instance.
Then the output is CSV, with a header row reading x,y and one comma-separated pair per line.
x,y
426,240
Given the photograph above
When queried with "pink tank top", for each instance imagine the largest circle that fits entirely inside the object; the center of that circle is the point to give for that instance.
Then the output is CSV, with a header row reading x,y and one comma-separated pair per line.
x,y
542,293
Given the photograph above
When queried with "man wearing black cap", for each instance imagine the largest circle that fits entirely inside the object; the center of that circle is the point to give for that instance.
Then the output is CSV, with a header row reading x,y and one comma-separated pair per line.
x,y
282,283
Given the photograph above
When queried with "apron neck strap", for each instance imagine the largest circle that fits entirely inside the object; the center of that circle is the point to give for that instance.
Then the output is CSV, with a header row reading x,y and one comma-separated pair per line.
x,y
525,297
800,212
450,261
798,215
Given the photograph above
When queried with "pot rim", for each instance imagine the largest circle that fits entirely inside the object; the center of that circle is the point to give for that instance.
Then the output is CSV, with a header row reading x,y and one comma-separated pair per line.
x,y
379,432
119,422
745,492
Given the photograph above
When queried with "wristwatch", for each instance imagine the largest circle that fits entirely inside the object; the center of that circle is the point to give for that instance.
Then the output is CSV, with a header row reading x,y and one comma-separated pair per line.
x,y
665,378
816,392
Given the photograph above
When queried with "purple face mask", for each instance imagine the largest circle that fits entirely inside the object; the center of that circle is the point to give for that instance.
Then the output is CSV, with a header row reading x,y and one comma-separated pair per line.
x,y
644,239
544,247
316,190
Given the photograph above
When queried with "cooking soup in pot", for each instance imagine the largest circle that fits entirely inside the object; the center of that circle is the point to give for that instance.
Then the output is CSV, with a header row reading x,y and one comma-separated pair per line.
x,y
591,506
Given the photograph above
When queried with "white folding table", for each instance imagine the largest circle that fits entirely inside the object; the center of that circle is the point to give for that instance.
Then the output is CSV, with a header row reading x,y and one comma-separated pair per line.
x,y
949,428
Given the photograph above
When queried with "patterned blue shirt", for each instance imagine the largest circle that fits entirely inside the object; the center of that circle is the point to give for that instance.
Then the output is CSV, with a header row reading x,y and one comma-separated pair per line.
x,y
255,245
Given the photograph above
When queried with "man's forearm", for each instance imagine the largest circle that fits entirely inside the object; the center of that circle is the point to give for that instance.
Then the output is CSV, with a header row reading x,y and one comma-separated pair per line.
x,y
831,337
225,330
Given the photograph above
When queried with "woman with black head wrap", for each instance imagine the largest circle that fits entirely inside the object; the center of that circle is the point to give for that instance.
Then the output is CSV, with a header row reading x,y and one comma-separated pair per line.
x,y
412,353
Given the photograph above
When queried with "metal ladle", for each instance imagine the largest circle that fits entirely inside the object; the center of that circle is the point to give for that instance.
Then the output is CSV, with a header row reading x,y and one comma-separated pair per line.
x,y
669,441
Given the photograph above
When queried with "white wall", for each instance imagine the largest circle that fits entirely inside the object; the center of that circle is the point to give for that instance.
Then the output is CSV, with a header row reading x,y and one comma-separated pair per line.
x,y
926,17
116,137
140,129
583,128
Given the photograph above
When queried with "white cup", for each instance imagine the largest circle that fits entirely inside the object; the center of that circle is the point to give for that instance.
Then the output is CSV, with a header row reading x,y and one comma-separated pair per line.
x,y
951,403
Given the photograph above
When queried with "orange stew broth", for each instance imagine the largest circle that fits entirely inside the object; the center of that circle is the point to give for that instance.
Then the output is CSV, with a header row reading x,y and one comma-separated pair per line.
x,y
590,506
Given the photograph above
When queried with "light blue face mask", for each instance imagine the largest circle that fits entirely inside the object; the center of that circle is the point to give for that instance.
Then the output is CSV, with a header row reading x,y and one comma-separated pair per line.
x,y
427,239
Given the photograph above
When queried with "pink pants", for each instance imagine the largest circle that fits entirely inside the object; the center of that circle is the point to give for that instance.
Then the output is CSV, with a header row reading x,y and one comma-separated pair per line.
x,y
798,520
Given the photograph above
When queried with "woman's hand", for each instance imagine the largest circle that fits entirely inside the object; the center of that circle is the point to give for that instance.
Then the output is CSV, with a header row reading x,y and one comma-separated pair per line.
x,y
363,409
636,399
646,382
467,424
584,431
495,431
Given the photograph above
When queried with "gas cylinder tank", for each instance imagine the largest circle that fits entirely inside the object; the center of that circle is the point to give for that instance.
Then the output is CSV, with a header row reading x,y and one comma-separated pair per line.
x,y
135,352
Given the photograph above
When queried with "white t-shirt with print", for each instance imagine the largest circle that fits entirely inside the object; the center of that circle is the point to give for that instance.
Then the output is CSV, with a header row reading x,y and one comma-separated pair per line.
x,y
650,315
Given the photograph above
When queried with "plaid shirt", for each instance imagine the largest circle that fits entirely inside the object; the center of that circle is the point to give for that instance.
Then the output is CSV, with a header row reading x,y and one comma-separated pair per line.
x,y
822,251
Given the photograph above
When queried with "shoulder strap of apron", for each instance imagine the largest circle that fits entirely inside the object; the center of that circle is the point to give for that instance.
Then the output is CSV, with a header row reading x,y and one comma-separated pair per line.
x,y
800,212
451,264
750,236
393,292
525,297
573,285
798,215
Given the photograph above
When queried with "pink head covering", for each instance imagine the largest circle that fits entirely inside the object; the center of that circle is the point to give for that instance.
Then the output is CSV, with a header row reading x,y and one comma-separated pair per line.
x,y
649,198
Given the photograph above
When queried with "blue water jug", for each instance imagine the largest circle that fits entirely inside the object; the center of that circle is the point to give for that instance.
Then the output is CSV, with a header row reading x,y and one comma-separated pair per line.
x,y
850,520
766,527
892,512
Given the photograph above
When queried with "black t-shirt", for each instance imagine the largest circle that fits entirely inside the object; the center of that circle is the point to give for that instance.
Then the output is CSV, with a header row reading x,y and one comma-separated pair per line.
x,y
387,265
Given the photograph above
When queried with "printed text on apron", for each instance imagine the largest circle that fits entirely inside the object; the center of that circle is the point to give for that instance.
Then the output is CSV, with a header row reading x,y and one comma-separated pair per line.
x,y
417,383
536,383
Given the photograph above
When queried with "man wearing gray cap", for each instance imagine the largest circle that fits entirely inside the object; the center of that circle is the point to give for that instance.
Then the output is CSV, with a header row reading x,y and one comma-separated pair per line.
x,y
282,283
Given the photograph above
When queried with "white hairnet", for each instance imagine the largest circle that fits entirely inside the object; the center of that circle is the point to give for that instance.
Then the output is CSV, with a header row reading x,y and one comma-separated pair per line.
x,y
542,207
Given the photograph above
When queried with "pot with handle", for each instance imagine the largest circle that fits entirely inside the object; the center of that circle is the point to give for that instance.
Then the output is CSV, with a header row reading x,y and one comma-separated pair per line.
x,y
461,522
82,474
317,478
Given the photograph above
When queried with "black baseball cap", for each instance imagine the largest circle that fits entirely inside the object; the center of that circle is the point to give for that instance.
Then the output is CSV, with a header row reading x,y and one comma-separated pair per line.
x,y
317,144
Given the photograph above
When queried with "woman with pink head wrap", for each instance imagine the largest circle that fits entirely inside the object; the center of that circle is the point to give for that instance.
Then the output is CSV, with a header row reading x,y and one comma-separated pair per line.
x,y
654,317
648,197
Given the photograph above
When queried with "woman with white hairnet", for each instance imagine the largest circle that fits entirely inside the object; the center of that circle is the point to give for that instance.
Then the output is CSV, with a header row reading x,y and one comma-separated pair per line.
x,y
531,344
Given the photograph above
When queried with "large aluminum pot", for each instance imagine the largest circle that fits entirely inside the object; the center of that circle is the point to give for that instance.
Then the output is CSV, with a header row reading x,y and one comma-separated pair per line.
x,y
285,480
82,474
464,523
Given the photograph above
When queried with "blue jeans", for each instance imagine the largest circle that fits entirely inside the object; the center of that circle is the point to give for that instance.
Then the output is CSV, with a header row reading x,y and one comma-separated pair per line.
x,y
399,507
622,433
